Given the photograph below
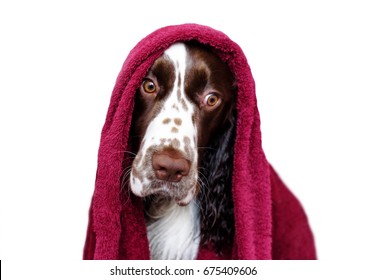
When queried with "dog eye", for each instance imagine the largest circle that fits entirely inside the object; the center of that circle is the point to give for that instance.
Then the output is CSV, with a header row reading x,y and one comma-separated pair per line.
x,y
149,86
211,99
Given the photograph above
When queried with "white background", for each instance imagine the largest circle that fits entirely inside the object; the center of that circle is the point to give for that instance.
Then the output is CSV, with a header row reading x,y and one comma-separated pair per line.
x,y
58,64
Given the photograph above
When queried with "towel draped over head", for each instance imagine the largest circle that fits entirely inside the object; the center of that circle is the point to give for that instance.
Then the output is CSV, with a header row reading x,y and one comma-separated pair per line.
x,y
269,221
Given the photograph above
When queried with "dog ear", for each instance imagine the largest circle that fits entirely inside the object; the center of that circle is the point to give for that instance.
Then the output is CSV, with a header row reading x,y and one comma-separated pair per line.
x,y
216,204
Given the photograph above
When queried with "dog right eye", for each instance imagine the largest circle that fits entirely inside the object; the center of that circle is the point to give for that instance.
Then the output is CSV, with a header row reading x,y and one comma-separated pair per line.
x,y
149,86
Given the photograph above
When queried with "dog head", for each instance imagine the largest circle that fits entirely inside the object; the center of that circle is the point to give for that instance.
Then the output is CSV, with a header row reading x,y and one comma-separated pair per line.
x,y
183,100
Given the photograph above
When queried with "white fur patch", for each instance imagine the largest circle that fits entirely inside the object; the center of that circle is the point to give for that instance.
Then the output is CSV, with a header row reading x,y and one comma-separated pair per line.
x,y
176,234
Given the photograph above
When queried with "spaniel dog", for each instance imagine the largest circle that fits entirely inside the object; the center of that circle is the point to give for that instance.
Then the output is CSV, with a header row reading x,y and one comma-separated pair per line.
x,y
182,132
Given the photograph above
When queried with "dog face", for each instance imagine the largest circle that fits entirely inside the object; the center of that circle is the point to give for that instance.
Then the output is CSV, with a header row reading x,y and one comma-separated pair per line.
x,y
184,99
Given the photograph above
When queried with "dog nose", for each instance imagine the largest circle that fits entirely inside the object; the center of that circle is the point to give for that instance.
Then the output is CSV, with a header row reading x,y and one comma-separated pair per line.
x,y
170,166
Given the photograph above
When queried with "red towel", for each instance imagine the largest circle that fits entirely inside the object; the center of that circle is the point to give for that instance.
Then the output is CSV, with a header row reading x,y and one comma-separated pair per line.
x,y
269,221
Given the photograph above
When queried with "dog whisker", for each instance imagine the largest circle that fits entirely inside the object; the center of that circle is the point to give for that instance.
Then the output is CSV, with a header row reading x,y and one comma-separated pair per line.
x,y
125,186
207,148
129,152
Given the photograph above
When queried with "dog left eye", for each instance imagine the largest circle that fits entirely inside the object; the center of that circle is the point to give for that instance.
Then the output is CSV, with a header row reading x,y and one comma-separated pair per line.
x,y
211,99
149,86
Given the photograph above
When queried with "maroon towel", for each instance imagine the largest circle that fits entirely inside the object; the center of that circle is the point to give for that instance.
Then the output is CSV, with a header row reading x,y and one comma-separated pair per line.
x,y
269,221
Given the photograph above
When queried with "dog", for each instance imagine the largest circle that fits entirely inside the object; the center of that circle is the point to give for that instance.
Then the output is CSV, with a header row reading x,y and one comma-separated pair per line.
x,y
183,130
